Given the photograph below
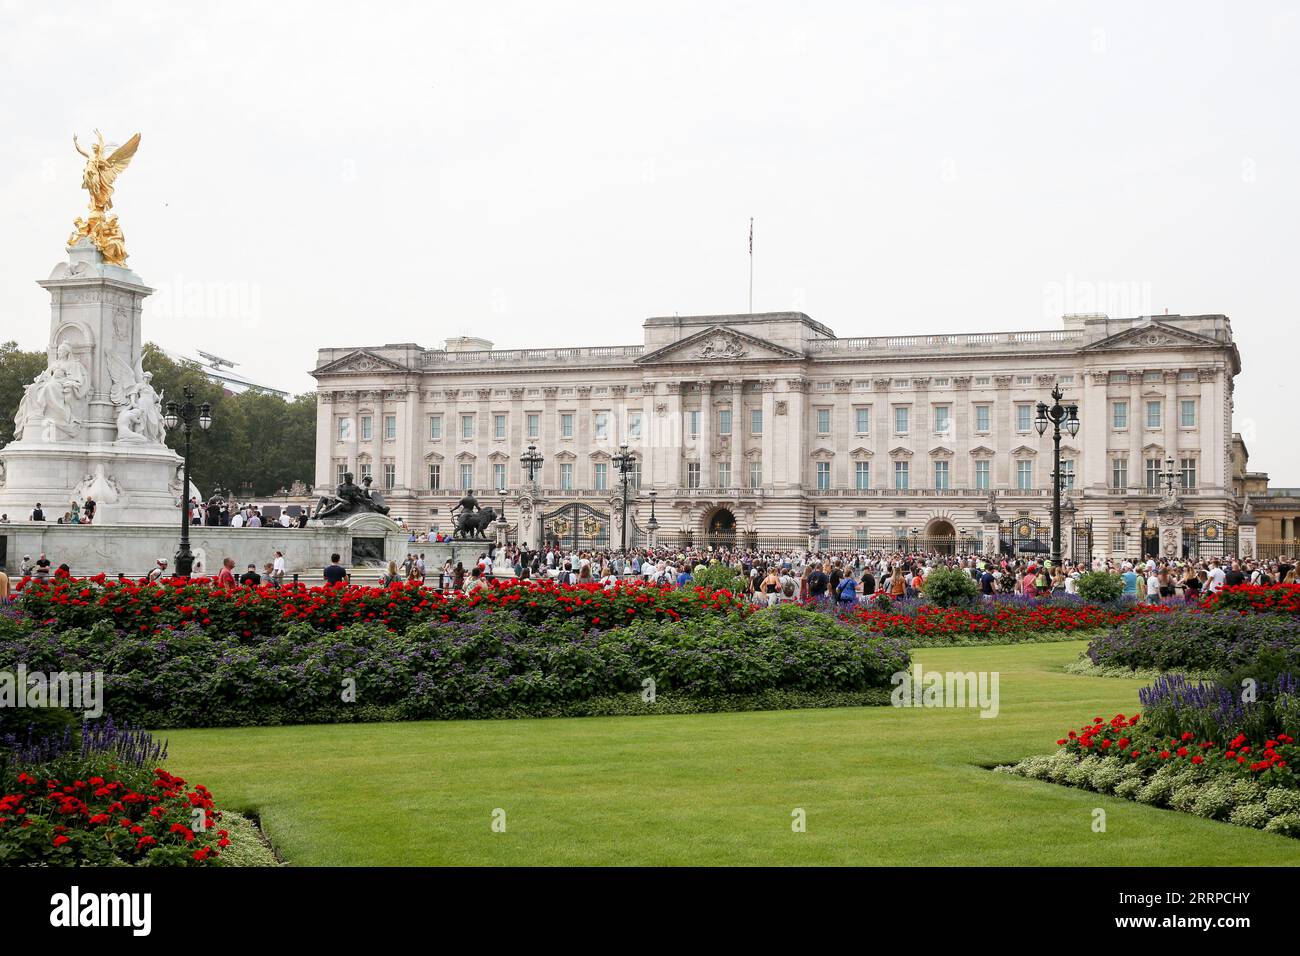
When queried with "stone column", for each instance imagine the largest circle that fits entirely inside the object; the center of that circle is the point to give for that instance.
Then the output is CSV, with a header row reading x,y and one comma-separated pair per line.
x,y
794,442
1171,415
739,429
963,472
1095,424
707,479
990,542
672,439
549,476
1004,434
768,445
1136,425
1169,523
842,435
922,469
517,432
410,433
582,429
324,440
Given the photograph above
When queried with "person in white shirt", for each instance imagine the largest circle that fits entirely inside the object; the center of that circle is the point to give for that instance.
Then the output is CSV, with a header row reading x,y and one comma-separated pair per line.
x,y
277,569
237,520
1216,575
285,520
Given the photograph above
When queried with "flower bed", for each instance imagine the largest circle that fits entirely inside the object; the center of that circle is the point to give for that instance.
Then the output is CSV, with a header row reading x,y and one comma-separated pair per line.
x,y
1244,781
251,612
100,800
1196,640
1003,615
487,661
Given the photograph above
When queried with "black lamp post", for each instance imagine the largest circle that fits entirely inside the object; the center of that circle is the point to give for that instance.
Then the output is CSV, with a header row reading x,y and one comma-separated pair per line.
x,y
653,524
916,539
814,531
1169,476
185,416
532,461
1057,415
624,461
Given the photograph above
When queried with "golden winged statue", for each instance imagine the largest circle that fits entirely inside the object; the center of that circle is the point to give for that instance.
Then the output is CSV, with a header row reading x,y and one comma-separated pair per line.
x,y
102,169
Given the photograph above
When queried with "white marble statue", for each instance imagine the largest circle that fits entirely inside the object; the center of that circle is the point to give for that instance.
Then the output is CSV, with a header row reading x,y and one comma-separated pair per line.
x,y
50,400
140,418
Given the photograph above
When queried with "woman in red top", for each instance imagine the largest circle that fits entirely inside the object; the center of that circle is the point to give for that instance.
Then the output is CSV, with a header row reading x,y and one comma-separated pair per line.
x,y
226,578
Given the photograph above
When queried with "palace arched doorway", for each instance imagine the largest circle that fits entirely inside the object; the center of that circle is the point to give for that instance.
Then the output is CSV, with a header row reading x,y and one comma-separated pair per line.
x,y
720,528
941,536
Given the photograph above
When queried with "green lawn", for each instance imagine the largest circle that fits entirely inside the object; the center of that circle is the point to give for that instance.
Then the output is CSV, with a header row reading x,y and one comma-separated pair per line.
x,y
880,785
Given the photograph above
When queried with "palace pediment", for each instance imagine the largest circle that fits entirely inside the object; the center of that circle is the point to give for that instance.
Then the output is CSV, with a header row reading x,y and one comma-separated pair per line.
x,y
718,343
1152,335
360,360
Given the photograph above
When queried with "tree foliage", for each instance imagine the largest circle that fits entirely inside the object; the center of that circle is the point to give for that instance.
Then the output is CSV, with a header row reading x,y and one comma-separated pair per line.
x,y
257,445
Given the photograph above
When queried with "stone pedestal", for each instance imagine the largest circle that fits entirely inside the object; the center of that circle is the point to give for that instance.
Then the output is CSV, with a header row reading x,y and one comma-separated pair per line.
x,y
989,534
1169,524
92,426
531,507
1247,543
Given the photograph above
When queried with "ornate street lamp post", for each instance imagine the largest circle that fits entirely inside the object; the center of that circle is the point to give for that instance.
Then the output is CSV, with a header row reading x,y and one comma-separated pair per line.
x,y
653,525
1169,476
624,461
1057,415
532,461
185,416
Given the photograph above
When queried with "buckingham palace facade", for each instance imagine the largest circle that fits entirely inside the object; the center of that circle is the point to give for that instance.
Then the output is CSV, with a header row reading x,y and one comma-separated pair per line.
x,y
758,425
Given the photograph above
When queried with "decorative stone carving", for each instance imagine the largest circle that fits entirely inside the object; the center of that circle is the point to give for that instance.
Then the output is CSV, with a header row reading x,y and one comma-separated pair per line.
x,y
961,381
1002,381
780,408
721,345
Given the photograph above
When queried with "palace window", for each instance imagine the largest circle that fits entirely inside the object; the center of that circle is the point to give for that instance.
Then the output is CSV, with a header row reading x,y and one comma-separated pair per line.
x,y
467,426
941,475
566,476
823,475
498,476
366,471
756,421
1187,413
862,420
498,426
862,475
1024,380
340,469
390,428
466,476
1119,415
1067,474
602,426
601,473
982,416
1119,473
901,476
693,423
634,475
823,421
1153,474
390,475
1187,467
1024,475
755,474
724,474
435,477
902,416
724,422
692,474
634,426
1024,417
1118,541
982,380
344,429
941,418
566,425
1155,416
367,428
534,425
982,474
435,427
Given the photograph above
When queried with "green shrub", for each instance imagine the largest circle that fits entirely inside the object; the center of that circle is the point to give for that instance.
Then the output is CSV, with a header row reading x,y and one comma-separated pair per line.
x,y
950,587
1100,587
720,577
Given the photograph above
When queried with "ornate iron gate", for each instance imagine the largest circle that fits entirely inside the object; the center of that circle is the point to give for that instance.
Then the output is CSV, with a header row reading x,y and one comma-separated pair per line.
x,y
576,526
1030,536
1150,539
1081,541
1210,538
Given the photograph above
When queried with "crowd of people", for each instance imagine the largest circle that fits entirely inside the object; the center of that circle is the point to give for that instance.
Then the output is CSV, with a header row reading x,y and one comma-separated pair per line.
x,y
79,512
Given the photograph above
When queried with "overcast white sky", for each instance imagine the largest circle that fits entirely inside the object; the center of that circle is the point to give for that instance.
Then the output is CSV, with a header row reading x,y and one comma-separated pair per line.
x,y
553,173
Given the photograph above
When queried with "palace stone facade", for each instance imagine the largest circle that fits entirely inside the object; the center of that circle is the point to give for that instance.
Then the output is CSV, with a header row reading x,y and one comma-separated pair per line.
x,y
759,423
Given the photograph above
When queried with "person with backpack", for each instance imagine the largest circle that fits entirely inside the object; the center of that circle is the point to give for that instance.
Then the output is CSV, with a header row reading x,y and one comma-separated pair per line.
x,y
847,592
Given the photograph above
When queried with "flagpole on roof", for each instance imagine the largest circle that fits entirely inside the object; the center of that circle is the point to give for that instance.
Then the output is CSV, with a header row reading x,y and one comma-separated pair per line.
x,y
751,265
